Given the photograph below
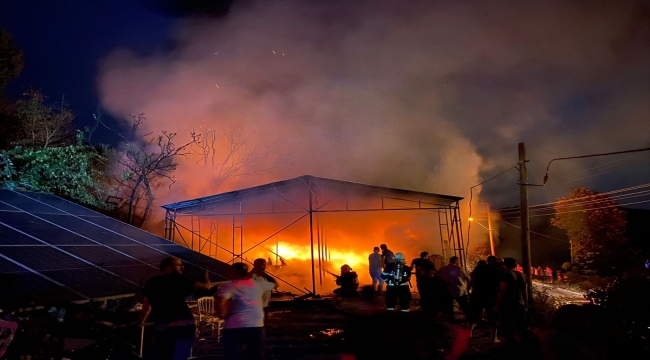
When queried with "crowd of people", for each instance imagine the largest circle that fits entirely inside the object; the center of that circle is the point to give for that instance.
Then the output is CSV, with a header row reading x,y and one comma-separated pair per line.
x,y
496,289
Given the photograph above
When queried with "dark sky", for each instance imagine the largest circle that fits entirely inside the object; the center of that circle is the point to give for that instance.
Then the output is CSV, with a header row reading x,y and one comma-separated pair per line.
x,y
430,96
64,40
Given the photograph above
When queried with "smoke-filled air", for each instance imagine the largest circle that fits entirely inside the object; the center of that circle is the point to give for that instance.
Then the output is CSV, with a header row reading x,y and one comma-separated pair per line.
x,y
422,95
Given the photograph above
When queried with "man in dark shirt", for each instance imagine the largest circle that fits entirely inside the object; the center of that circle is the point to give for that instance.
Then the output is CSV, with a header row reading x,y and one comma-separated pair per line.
x,y
422,262
511,302
387,256
164,305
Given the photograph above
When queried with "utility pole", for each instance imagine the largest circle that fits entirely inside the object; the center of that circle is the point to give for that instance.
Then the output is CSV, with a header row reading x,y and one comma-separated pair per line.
x,y
525,219
492,250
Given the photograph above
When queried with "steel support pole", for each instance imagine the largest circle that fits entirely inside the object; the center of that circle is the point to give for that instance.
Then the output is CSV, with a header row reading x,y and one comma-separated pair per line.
x,y
525,219
311,239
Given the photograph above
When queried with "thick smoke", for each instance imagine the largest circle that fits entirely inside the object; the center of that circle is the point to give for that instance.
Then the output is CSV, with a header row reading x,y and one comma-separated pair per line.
x,y
422,95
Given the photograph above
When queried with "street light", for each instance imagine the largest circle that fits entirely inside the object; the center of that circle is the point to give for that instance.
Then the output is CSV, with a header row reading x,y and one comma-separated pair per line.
x,y
488,228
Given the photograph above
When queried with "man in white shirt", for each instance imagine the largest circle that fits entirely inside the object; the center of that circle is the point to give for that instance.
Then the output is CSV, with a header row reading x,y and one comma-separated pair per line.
x,y
240,304
259,274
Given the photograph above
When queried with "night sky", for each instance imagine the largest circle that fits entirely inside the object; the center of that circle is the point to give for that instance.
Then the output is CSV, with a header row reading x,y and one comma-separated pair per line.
x,y
430,96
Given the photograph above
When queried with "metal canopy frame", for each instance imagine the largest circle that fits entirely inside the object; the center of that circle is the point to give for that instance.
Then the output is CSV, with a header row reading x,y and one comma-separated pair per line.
x,y
316,196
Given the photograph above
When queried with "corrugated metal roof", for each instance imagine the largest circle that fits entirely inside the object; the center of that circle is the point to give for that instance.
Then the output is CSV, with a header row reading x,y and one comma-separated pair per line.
x,y
206,201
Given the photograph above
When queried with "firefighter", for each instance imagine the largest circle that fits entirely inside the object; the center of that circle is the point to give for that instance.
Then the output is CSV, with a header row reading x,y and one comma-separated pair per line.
x,y
397,276
348,282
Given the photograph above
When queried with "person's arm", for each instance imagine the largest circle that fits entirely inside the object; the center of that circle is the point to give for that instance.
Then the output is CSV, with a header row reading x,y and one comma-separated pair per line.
x,y
270,285
146,310
502,292
205,285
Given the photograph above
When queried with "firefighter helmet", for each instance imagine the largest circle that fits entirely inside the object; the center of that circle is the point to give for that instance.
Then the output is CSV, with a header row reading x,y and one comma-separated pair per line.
x,y
399,257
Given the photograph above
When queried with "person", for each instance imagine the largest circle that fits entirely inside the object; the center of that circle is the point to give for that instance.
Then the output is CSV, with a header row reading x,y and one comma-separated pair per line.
x,y
458,284
482,292
549,274
348,282
493,278
511,302
259,274
397,276
374,267
422,261
387,256
432,290
240,304
164,305
520,268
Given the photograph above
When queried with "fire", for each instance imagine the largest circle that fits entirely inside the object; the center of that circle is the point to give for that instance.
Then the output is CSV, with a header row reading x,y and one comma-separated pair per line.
x,y
335,257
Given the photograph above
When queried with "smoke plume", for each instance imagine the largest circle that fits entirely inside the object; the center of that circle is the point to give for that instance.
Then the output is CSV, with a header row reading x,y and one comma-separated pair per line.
x,y
423,95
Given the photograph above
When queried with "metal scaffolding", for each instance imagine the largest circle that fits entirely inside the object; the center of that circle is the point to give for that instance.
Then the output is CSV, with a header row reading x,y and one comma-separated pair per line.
x,y
305,198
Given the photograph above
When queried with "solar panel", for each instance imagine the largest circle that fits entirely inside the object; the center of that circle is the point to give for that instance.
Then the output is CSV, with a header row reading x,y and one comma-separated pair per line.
x,y
12,237
102,256
54,250
42,230
42,258
24,203
136,273
86,229
93,282
48,200
22,287
5,207
128,230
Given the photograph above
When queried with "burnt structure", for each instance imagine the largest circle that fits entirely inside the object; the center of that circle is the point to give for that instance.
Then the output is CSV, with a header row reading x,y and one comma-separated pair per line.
x,y
199,223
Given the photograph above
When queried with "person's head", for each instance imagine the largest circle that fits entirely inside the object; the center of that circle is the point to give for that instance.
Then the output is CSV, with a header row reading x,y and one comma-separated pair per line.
x,y
400,258
171,264
238,271
454,260
375,250
491,259
510,263
481,263
259,266
383,246
424,255
345,269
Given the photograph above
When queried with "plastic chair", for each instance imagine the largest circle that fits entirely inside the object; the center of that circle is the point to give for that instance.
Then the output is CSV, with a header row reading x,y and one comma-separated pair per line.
x,y
205,306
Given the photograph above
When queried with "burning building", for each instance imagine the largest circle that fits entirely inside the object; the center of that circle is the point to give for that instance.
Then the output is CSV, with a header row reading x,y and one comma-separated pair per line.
x,y
308,226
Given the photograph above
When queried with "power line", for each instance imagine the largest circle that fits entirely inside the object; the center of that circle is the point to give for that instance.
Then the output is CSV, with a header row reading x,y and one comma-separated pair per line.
x,y
583,210
588,156
534,232
636,187
565,203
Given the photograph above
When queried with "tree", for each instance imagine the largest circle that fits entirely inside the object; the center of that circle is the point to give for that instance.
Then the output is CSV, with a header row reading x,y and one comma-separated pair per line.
x,y
11,59
74,171
231,154
43,126
11,64
595,226
145,162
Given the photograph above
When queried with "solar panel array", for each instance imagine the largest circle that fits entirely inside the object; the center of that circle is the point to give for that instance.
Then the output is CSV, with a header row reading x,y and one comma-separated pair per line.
x,y
52,250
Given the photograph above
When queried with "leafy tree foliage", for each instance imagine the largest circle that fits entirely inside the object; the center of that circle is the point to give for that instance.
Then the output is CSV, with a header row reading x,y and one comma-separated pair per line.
x,y
596,227
73,171
11,59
